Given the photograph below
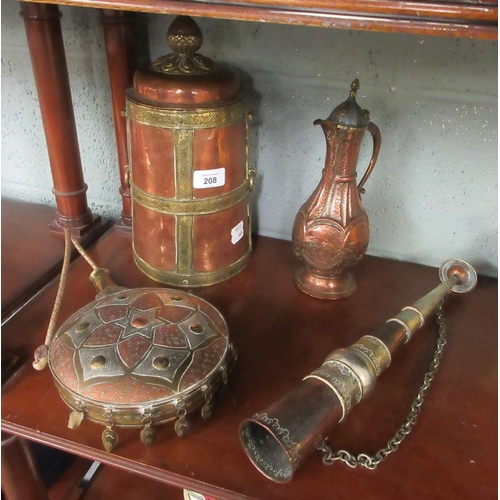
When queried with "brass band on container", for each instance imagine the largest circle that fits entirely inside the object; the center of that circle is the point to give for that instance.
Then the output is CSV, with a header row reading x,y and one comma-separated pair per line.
x,y
188,119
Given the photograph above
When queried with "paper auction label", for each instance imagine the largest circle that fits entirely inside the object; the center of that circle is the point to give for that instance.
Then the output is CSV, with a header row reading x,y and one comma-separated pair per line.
x,y
237,233
203,179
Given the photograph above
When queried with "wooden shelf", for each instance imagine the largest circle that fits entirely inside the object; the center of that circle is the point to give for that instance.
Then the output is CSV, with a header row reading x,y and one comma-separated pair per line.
x,y
66,487
462,18
31,254
106,482
110,480
281,335
25,227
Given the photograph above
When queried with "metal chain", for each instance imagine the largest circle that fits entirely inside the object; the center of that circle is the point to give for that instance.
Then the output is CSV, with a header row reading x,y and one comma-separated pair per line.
x,y
372,461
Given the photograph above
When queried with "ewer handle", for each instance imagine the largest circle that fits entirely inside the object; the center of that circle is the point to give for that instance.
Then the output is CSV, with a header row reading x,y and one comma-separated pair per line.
x,y
373,129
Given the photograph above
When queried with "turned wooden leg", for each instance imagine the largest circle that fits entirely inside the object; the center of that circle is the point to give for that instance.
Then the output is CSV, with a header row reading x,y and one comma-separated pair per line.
x,y
20,477
117,27
43,30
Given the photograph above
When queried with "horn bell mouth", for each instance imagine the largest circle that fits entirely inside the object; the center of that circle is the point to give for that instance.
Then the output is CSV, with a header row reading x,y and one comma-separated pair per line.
x,y
266,452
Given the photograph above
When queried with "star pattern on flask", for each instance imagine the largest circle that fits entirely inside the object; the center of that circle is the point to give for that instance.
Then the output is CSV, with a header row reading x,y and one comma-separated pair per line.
x,y
139,322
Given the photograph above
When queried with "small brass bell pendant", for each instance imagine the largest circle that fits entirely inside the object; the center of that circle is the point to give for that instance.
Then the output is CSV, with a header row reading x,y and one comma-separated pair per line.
x,y
148,434
75,419
206,410
109,439
182,426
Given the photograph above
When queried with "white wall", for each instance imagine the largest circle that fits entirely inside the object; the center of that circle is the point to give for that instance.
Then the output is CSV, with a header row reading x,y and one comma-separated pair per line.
x,y
434,192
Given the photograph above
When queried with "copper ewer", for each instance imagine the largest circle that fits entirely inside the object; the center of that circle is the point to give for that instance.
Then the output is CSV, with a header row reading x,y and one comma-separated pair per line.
x,y
331,230
189,175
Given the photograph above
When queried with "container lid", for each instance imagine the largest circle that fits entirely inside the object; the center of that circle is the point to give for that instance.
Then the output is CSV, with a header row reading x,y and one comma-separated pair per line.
x,y
349,113
184,77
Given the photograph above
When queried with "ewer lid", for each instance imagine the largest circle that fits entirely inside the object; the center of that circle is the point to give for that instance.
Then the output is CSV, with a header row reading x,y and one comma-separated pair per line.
x,y
184,77
350,113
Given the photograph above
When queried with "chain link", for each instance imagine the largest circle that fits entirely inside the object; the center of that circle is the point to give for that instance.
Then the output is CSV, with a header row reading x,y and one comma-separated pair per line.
x,y
372,461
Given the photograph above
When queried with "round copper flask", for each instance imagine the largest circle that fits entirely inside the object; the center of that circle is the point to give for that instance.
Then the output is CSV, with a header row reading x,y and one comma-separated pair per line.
x,y
141,357
190,180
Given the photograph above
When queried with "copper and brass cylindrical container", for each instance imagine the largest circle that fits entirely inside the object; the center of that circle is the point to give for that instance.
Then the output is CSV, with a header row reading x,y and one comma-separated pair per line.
x,y
189,174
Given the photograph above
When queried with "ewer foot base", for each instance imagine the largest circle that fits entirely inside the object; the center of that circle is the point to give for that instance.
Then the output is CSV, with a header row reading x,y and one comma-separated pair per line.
x,y
331,288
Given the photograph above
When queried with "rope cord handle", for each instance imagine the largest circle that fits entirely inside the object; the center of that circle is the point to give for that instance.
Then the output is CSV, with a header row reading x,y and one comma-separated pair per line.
x,y
42,352
83,253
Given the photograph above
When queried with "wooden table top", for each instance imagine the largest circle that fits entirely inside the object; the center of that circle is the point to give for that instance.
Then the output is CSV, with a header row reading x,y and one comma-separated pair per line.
x,y
281,335
461,18
31,255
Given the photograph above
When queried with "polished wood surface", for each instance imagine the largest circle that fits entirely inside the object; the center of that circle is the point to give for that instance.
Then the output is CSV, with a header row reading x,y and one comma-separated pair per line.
x,y
20,477
69,485
117,26
281,335
110,480
469,19
31,256
43,30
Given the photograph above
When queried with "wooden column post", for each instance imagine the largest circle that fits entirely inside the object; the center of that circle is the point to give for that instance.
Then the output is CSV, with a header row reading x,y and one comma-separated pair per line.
x,y
117,27
45,42
20,476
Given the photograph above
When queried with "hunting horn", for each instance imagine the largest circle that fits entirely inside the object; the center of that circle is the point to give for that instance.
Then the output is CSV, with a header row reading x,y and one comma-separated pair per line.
x,y
278,439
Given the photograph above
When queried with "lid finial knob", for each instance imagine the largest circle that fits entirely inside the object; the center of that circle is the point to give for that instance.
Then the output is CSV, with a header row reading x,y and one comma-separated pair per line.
x,y
354,88
349,112
185,38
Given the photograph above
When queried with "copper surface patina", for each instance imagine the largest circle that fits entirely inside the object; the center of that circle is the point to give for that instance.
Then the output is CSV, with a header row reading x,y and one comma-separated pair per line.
x,y
190,181
278,439
331,230
140,358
